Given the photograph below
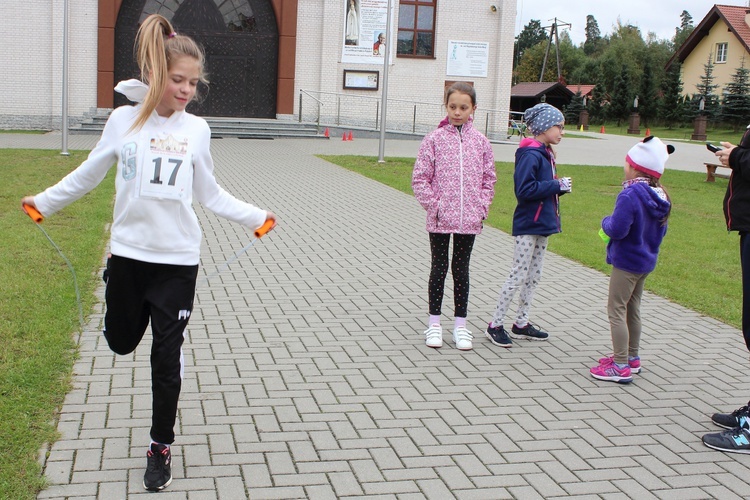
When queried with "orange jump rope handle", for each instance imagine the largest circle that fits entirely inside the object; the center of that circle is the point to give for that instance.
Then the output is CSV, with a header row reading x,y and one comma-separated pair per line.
x,y
33,213
267,226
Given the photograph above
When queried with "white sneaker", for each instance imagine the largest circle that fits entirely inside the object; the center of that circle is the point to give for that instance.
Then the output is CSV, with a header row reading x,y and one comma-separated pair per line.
x,y
434,336
462,337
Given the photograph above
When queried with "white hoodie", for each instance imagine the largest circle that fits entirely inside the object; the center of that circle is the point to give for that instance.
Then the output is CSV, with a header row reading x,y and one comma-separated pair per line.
x,y
160,169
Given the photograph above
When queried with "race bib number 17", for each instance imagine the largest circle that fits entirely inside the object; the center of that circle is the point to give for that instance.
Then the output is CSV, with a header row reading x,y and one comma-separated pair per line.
x,y
167,169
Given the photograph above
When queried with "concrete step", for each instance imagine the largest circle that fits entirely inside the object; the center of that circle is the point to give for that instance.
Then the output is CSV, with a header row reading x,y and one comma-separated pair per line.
x,y
246,128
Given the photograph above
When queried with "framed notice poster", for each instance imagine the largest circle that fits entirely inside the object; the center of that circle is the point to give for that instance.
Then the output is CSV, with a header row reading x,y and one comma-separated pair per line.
x,y
362,80
467,58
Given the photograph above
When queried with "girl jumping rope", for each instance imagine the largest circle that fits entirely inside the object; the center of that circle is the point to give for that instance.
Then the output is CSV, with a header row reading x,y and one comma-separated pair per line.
x,y
453,179
634,233
163,162
536,217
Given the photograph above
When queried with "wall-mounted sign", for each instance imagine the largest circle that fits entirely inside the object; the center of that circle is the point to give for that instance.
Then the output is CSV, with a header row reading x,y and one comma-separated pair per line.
x,y
364,31
362,80
467,58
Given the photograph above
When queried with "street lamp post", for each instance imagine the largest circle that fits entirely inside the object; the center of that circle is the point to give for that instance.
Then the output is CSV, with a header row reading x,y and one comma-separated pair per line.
x,y
64,151
384,97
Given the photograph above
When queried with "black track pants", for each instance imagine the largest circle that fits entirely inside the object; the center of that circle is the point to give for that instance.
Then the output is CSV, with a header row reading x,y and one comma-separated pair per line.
x,y
136,293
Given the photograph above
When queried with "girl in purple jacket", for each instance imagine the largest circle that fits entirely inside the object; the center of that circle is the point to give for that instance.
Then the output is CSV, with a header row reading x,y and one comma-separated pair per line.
x,y
634,232
453,179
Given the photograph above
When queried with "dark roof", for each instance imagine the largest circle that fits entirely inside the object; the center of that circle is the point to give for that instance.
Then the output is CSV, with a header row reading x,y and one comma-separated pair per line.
x,y
538,89
732,15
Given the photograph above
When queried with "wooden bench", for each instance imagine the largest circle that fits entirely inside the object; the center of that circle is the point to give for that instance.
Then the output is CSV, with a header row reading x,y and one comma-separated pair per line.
x,y
712,174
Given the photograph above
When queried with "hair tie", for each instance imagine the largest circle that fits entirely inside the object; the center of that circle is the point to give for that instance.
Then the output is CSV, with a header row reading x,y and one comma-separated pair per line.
x,y
172,35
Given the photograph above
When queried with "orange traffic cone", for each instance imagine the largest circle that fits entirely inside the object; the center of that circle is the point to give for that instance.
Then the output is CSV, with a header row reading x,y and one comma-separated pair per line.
x,y
326,134
351,137
601,130
343,136
648,132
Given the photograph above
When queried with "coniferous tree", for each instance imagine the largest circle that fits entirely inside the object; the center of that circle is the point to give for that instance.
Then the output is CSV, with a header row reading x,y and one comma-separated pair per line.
x,y
647,105
573,110
683,32
671,108
532,34
596,104
593,36
707,92
622,97
735,110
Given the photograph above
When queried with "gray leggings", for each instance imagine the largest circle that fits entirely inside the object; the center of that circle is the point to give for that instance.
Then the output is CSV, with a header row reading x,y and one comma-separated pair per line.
x,y
528,263
624,311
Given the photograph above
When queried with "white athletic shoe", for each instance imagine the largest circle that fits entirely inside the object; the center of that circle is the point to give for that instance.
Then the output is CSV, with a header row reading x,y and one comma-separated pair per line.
x,y
434,336
462,337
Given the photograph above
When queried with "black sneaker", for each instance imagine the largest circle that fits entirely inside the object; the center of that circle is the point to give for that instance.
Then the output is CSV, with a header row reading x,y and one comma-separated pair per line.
x,y
497,336
158,467
738,418
732,440
528,332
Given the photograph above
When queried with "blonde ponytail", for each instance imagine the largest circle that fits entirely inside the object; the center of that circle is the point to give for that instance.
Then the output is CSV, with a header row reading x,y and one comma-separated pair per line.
x,y
157,45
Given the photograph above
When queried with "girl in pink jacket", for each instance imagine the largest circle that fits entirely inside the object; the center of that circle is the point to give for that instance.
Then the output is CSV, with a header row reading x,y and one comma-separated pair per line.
x,y
453,179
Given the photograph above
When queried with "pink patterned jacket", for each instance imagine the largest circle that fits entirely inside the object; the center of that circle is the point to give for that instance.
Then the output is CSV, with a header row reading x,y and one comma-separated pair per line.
x,y
454,178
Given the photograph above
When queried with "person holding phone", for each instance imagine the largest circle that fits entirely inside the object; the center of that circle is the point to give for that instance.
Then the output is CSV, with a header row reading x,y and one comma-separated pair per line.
x,y
736,437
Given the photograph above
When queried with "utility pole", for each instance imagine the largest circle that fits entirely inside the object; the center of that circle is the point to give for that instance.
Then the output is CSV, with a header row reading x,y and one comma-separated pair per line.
x,y
553,32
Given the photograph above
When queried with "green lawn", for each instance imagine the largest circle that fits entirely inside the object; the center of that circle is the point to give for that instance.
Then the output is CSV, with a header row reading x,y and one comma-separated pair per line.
x,y
38,311
699,261
713,134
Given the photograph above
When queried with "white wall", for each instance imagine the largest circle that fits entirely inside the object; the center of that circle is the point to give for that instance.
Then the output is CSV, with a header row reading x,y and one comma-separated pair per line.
x,y
32,37
319,67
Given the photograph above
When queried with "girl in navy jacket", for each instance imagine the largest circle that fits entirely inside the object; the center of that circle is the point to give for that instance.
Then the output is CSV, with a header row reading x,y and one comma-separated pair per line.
x,y
536,217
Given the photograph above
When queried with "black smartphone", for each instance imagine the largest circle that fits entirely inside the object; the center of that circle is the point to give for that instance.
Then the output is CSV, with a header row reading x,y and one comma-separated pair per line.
x,y
713,148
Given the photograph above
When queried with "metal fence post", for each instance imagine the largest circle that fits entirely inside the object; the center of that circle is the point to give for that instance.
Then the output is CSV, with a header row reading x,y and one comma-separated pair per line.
x,y
300,106
414,120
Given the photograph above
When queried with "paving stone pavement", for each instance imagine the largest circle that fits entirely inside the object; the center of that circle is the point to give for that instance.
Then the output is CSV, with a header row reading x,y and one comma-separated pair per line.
x,y
307,375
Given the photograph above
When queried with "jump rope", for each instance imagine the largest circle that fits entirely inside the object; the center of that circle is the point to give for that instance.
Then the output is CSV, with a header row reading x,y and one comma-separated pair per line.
x,y
37,217
259,233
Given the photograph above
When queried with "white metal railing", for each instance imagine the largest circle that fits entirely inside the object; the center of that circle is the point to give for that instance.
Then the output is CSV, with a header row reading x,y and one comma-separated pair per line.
x,y
338,109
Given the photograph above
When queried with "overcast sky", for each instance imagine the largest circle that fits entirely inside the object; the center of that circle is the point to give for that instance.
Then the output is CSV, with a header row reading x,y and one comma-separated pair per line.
x,y
658,16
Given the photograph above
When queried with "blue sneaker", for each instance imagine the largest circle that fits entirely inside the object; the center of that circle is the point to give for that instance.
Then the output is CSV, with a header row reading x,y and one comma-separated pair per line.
x,y
738,418
498,336
732,440
528,332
